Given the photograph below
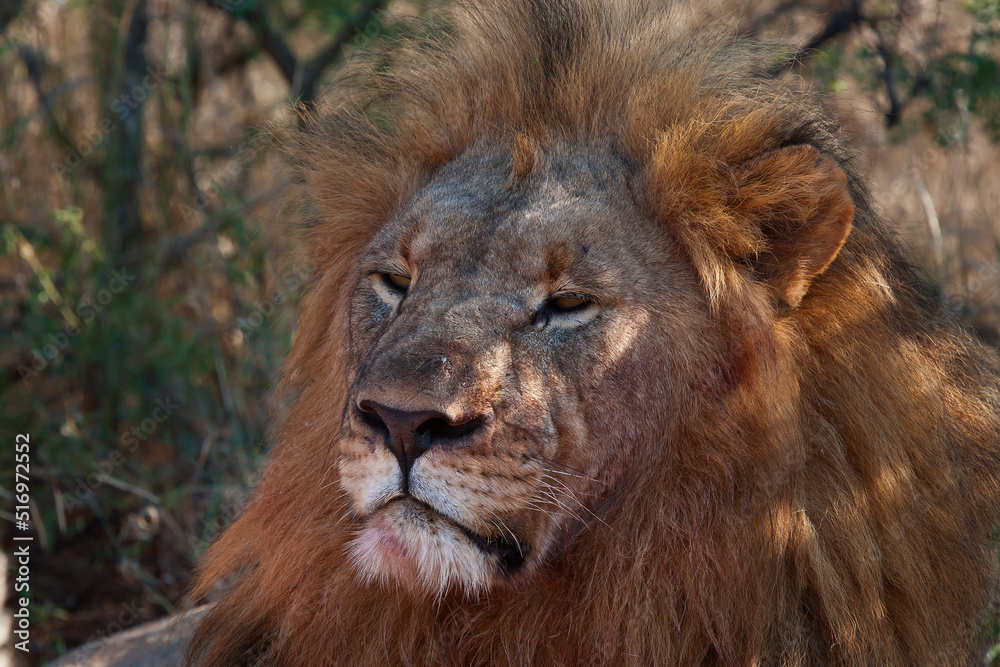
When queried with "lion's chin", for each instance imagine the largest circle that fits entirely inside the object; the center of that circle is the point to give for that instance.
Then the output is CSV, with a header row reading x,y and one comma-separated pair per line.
x,y
409,544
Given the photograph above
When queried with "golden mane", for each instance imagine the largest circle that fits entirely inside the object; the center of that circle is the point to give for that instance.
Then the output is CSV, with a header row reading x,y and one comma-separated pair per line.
x,y
846,476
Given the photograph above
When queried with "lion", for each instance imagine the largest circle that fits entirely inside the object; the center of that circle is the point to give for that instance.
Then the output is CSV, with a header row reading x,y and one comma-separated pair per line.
x,y
609,360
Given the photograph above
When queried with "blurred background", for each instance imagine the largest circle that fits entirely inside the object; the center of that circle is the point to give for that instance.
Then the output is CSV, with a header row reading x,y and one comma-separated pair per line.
x,y
148,273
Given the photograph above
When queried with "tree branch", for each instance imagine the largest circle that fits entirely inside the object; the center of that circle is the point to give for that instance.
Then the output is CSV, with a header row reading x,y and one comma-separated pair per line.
x,y
331,52
302,76
754,26
272,42
841,22
888,77
34,65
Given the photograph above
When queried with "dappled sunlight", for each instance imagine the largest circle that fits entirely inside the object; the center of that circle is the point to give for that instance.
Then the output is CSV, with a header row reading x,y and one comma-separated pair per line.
x,y
623,333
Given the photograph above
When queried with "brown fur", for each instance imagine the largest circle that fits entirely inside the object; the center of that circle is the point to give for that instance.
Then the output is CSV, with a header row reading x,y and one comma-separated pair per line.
x,y
799,453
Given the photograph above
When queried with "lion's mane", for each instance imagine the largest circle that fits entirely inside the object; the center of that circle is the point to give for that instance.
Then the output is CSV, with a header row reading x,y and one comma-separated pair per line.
x,y
833,499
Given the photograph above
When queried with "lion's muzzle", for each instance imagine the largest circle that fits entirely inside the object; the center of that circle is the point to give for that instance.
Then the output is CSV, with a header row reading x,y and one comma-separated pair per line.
x,y
411,431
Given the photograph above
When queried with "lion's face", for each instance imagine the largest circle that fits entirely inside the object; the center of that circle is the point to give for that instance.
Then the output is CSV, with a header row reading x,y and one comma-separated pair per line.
x,y
506,340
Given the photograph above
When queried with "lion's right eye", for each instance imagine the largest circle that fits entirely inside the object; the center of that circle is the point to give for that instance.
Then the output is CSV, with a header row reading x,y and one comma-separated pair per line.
x,y
568,304
566,310
396,282
390,286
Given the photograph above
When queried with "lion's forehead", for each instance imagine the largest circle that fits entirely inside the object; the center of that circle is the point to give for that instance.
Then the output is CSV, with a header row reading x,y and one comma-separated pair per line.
x,y
576,212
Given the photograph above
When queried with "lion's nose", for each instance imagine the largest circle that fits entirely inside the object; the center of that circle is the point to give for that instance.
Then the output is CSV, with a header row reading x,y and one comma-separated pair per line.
x,y
410,433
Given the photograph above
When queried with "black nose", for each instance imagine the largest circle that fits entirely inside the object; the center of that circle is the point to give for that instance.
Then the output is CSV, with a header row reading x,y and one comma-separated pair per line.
x,y
410,433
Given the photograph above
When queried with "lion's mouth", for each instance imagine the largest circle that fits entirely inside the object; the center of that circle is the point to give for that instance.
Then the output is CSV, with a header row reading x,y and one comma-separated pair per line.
x,y
509,552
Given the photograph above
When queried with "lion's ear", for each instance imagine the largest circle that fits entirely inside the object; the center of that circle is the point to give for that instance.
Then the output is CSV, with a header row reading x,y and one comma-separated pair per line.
x,y
799,199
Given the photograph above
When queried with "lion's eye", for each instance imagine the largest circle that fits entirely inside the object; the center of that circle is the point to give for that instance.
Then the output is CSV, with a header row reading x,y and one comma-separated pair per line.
x,y
568,304
396,281
566,311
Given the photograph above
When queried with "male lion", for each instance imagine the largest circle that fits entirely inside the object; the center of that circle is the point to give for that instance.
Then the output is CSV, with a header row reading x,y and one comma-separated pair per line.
x,y
609,361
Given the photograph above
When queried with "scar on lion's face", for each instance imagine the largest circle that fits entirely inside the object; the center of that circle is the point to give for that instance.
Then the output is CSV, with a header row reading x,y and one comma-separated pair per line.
x,y
480,313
